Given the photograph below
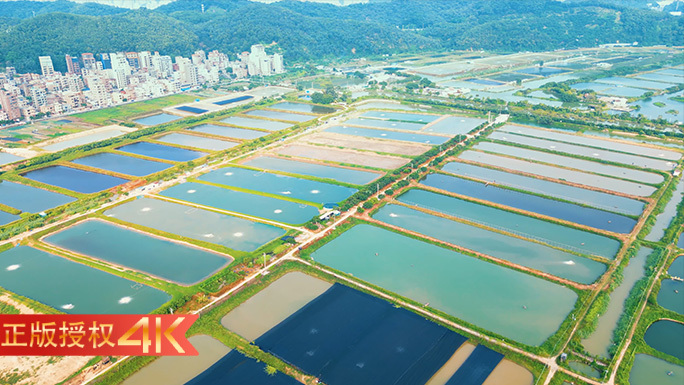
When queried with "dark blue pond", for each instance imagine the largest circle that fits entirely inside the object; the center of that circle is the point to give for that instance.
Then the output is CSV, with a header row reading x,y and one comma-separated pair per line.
x,y
235,368
161,151
479,365
122,164
85,182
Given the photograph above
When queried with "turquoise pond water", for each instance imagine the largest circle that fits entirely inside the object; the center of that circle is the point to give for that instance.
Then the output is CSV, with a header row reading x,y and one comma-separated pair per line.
x,y
85,139
634,82
240,202
671,295
73,179
386,124
402,116
156,119
286,186
522,252
551,233
153,255
340,174
597,199
667,337
48,279
197,141
256,123
387,134
30,199
278,115
648,370
6,218
203,225
160,151
227,131
122,164
664,219
454,125
301,107
6,158
533,308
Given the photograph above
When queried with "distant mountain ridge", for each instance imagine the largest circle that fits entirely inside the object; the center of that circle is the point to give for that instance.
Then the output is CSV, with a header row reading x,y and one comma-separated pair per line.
x,y
312,31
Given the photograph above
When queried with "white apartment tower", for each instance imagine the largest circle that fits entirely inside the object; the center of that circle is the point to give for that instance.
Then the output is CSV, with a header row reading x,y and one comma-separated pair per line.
x,y
46,67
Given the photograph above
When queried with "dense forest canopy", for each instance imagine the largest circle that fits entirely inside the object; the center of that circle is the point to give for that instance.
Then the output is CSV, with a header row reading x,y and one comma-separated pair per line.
x,y
310,31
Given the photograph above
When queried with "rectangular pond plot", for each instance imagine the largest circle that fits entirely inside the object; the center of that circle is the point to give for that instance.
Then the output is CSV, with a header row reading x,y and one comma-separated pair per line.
x,y
122,164
72,287
387,134
235,368
515,250
202,225
84,139
572,149
256,123
356,340
672,71
638,83
566,161
534,308
485,82
454,125
649,370
139,251
6,218
192,110
286,186
554,234
597,219
278,115
240,202
661,77
6,158
477,367
387,105
228,131
30,199
666,336
73,179
401,116
340,174
301,107
153,120
664,219
542,71
671,295
195,141
226,102
578,177
386,124
597,199
178,370
342,156
160,151
658,153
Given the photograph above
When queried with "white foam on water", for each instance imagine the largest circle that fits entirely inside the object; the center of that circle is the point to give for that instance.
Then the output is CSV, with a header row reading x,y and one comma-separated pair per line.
x,y
277,211
210,235
315,191
383,134
192,191
238,234
125,300
228,173
286,192
571,262
393,215
595,154
145,209
12,267
68,306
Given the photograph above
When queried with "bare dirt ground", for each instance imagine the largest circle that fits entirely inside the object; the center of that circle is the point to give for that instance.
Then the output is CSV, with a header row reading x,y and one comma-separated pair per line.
x,y
342,156
356,142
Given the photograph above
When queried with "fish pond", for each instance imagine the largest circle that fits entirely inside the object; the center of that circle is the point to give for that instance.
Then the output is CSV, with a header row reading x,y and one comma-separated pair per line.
x,y
278,115
340,174
6,218
153,120
84,139
386,124
400,116
195,141
648,370
133,249
671,295
454,125
387,134
68,286
666,336
664,219
301,107
160,151
6,158
228,131
256,123
73,179
30,199
122,164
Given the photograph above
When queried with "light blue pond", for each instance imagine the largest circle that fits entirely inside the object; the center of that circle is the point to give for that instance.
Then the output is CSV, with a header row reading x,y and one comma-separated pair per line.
x,y
572,149
534,308
278,115
287,186
227,131
256,123
30,199
122,164
661,77
579,177
648,370
598,87
156,119
160,151
677,267
561,210
633,82
596,199
551,233
340,174
401,116
85,139
566,161
197,142
672,71
386,134
139,251
49,279
387,124
6,218
455,125
518,251
680,243
202,225
6,158
625,92
73,179
301,107
542,71
385,105
240,202
651,111
664,219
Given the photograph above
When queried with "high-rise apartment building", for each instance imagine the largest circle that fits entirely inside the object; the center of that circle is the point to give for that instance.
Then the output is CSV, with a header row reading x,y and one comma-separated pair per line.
x,y
73,65
46,67
10,105
89,61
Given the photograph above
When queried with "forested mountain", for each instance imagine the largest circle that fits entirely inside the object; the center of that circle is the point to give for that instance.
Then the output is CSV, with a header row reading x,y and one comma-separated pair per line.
x,y
305,31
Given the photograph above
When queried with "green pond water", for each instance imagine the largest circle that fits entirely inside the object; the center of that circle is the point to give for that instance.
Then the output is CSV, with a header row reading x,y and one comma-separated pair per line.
x,y
473,290
72,287
203,225
519,251
671,295
666,336
599,341
583,368
648,370
133,249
